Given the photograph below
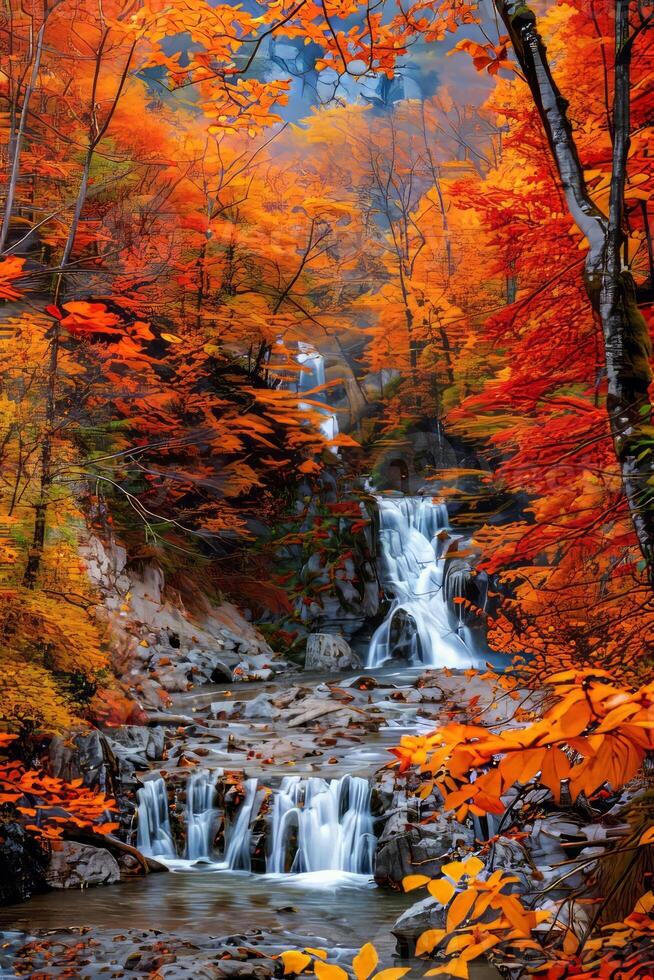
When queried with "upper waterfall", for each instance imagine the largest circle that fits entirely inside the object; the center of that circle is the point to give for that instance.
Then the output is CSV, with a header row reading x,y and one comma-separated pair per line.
x,y
421,625
312,379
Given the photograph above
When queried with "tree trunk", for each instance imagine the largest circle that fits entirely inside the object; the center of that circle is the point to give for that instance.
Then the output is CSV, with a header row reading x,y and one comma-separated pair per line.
x,y
17,142
35,555
609,285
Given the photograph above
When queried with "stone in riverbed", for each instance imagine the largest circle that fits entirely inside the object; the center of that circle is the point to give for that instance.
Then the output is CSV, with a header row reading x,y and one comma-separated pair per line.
x,y
328,651
427,914
74,865
260,707
406,847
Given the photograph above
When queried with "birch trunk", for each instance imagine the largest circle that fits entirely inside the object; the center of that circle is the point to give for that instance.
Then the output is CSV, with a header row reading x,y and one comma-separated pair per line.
x,y
609,285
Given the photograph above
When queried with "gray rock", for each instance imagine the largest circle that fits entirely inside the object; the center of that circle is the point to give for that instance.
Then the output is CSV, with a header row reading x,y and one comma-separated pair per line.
x,y
249,670
260,707
176,679
328,651
406,847
427,914
87,755
147,742
75,865
135,747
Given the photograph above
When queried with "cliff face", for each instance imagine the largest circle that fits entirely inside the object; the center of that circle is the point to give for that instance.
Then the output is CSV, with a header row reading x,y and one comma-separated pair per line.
x,y
159,645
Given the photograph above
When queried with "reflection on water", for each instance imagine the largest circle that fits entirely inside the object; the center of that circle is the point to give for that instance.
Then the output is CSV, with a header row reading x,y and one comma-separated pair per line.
x,y
340,909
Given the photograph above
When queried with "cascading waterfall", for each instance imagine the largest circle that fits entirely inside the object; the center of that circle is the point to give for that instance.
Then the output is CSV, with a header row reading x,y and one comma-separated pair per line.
x,y
320,825
154,837
200,816
312,377
237,852
314,825
421,625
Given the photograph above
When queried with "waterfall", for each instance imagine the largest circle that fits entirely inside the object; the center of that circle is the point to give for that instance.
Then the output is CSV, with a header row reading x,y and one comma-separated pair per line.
x,y
314,825
237,852
200,816
153,836
320,825
312,377
420,626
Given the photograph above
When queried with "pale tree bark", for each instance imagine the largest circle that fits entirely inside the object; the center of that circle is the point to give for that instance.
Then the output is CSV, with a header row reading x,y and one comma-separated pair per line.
x,y
609,284
16,143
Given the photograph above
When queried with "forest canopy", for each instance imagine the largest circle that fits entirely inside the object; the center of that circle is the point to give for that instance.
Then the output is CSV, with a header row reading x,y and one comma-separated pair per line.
x,y
251,253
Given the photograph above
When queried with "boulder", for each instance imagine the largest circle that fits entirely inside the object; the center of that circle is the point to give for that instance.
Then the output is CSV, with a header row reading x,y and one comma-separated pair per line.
x,y
328,651
87,755
406,848
176,679
427,914
134,747
23,863
74,865
260,707
253,669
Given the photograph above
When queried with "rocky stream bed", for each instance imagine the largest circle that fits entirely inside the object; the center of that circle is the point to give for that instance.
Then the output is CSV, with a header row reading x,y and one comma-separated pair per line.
x,y
202,919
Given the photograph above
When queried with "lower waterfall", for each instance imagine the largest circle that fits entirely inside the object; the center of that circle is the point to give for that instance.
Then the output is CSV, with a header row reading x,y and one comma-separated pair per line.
x,y
320,825
421,626
200,815
313,825
154,836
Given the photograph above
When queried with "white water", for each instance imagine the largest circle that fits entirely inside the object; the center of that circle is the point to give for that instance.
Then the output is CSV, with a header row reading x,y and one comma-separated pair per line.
x,y
311,377
412,540
237,853
200,816
154,837
315,825
320,825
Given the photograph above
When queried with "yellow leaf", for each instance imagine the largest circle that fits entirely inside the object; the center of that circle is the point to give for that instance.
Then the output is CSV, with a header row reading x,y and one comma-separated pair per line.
x,y
454,870
457,943
427,940
455,968
414,881
442,890
322,953
647,837
459,909
172,338
325,971
472,952
472,866
365,962
294,961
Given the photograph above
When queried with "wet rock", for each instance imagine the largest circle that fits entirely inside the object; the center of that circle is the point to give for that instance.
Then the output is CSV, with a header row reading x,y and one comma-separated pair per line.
x,y
137,740
328,651
176,679
406,847
427,914
86,755
75,865
260,707
255,668
135,747
257,969
283,699
23,863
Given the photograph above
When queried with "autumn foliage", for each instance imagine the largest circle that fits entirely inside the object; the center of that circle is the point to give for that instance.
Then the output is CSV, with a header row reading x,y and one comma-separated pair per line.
x,y
169,247
49,805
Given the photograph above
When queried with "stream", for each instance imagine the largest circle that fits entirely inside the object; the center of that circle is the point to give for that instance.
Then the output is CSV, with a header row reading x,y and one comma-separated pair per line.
x,y
306,748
